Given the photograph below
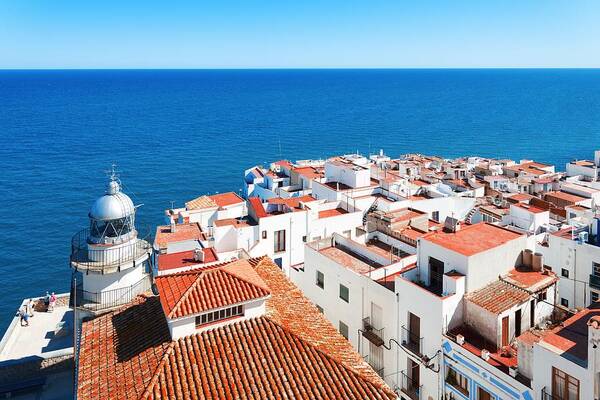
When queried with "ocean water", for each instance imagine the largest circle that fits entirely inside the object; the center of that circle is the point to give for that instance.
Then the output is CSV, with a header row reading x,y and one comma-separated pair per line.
x,y
177,134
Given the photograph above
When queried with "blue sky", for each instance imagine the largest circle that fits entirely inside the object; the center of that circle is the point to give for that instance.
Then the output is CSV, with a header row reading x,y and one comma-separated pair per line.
x,y
288,34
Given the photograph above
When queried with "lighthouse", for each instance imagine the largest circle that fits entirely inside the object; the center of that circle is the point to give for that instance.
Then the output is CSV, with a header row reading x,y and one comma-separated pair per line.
x,y
111,263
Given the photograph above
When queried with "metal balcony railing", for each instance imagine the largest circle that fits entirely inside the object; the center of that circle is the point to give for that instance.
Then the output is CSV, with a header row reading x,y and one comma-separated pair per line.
x,y
410,387
98,301
371,333
547,395
112,257
412,341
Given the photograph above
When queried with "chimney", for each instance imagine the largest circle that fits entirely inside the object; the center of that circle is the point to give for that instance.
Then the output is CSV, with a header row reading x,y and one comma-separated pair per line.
x,y
199,255
173,226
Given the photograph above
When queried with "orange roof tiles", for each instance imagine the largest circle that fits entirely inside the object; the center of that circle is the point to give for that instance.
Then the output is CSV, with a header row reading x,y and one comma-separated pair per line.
x,y
196,291
184,259
226,199
530,208
498,297
215,200
472,239
332,213
571,337
257,206
290,352
567,197
182,233
531,280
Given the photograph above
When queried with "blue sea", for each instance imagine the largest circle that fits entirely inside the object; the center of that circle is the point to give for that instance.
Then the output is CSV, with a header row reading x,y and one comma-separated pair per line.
x,y
176,134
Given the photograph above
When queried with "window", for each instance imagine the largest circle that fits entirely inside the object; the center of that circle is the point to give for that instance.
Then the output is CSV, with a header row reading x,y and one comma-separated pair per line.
x,y
457,380
320,279
596,269
542,296
320,308
264,234
564,273
304,238
214,316
344,293
279,241
435,216
564,302
564,386
344,329
594,296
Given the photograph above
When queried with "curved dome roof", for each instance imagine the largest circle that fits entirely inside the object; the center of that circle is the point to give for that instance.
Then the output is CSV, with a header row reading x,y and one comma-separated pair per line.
x,y
113,205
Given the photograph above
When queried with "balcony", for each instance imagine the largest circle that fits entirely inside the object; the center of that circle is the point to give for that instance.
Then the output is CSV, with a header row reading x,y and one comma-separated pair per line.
x,y
546,395
371,333
595,281
108,258
412,342
410,387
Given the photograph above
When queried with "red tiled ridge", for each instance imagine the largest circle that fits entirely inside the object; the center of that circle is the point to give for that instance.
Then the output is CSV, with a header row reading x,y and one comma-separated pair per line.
x,y
196,291
291,352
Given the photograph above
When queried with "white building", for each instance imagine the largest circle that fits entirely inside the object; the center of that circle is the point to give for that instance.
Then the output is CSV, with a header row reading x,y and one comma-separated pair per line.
x,y
352,284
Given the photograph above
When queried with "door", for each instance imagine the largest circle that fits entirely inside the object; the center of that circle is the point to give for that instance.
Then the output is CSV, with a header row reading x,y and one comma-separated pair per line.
x,y
414,374
414,329
517,323
532,314
436,270
376,358
483,394
504,332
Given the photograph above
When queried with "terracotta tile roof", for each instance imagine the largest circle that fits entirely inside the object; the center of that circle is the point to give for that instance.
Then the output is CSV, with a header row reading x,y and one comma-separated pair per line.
x,y
196,291
290,352
533,281
497,297
530,208
214,200
567,197
258,207
120,351
472,239
226,199
200,203
570,339
184,259
182,233
332,213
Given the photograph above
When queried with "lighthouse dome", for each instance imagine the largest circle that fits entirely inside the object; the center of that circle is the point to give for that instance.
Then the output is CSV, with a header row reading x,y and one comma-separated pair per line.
x,y
113,205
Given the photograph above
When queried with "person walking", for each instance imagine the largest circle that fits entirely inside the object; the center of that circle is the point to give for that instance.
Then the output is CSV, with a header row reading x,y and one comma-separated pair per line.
x,y
24,316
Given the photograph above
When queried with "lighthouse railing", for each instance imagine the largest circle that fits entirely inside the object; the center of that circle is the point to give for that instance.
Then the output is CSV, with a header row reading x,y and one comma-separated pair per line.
x,y
90,256
98,301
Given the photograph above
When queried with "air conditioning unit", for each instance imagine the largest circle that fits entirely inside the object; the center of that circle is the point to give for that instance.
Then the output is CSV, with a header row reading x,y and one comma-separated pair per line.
x,y
485,354
460,339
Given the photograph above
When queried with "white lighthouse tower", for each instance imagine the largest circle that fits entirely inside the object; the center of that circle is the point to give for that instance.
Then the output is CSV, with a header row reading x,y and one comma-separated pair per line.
x,y
110,262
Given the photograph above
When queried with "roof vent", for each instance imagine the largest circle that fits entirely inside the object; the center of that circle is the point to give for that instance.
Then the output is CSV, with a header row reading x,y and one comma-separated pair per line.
x,y
199,255
460,339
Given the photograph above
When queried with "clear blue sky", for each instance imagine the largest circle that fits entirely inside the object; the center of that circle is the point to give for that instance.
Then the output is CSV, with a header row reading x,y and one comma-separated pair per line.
x,y
249,34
